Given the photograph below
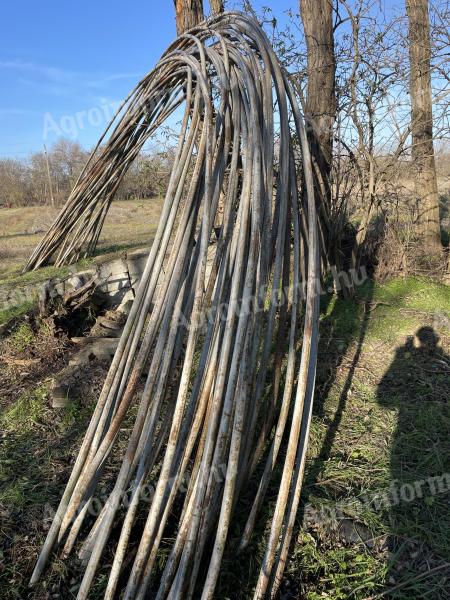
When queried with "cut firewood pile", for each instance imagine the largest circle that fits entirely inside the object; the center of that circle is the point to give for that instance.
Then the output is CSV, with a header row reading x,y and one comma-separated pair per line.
x,y
223,328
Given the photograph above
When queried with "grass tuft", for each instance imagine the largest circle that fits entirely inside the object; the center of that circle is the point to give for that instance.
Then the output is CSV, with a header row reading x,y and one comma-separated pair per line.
x,y
26,412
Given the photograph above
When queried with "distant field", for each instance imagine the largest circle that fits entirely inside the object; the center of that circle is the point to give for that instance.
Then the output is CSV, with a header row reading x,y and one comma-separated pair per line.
x,y
130,224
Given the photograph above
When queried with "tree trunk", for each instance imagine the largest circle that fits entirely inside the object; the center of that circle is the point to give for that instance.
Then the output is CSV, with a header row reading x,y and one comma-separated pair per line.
x,y
422,127
317,17
189,13
217,6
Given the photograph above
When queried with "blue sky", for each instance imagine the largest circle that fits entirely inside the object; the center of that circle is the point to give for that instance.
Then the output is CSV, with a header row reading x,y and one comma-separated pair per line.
x,y
59,60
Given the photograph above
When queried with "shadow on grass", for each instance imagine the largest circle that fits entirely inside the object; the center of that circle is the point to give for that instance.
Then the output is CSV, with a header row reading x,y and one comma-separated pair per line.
x,y
343,326
417,387
344,321
348,322
413,511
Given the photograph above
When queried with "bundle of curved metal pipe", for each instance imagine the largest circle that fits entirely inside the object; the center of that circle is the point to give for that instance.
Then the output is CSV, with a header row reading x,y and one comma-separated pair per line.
x,y
217,359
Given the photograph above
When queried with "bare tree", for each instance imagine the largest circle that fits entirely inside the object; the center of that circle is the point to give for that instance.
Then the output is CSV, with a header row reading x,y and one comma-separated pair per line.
x,y
372,124
67,159
422,126
26,182
14,183
189,13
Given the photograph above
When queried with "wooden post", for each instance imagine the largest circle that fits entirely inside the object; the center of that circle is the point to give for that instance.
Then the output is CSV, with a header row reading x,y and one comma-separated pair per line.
x,y
49,177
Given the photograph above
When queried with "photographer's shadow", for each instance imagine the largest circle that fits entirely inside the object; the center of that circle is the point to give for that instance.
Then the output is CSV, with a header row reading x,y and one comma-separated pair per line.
x,y
417,386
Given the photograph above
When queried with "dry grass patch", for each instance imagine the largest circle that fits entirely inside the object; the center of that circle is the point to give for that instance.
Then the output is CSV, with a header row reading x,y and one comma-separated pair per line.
x,y
129,224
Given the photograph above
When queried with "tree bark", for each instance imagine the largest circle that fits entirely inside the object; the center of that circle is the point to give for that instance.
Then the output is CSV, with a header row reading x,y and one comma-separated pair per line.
x,y
217,6
189,13
422,153
320,109
317,17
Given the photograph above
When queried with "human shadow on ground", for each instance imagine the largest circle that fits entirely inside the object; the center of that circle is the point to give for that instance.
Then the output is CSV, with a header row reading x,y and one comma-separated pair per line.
x,y
417,387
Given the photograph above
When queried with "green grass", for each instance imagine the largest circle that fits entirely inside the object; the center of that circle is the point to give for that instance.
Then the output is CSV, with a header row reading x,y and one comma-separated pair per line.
x,y
403,303
33,277
38,444
12,312
17,423
25,412
381,422
398,306
414,293
376,412
22,337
